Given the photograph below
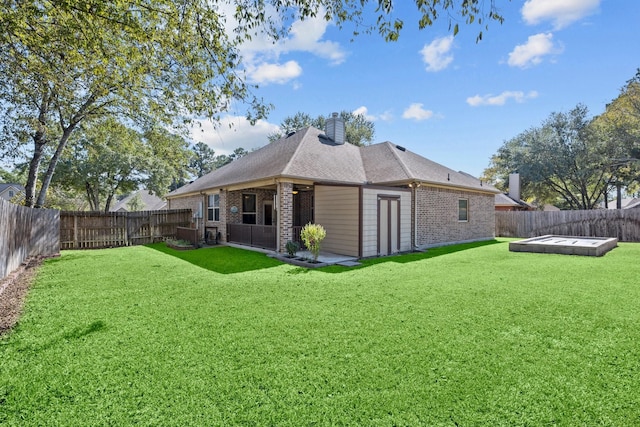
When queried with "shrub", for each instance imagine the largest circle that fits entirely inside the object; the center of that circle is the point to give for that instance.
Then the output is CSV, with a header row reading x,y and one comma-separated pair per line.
x,y
292,248
312,235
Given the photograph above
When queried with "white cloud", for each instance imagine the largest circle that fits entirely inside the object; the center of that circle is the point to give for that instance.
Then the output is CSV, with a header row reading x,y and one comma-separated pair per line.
x,y
416,112
436,54
364,111
387,116
518,96
233,132
274,73
261,53
306,36
531,53
560,12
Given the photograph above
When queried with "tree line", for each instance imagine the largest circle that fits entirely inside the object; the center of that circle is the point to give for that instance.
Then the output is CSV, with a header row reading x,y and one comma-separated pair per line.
x,y
575,161
70,70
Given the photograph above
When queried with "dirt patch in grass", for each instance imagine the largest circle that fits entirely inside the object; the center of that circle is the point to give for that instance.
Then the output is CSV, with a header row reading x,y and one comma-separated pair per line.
x,y
13,290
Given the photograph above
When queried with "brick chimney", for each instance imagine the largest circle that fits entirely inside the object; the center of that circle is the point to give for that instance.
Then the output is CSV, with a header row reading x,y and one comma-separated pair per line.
x,y
514,186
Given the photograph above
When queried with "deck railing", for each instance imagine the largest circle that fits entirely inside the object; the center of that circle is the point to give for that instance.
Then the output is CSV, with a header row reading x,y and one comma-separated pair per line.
x,y
295,233
261,236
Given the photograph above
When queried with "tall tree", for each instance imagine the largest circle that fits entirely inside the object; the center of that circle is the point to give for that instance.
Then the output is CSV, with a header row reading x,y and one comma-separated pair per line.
x,y
63,62
10,176
109,159
620,126
203,159
359,130
563,158
224,159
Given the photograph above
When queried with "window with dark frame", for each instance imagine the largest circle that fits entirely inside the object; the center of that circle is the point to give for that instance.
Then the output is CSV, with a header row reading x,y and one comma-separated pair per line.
x,y
213,207
463,210
249,212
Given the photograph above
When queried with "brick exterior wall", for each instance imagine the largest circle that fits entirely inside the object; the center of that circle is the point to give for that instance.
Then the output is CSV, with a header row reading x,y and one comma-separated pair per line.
x,y
222,224
193,203
285,214
437,217
234,198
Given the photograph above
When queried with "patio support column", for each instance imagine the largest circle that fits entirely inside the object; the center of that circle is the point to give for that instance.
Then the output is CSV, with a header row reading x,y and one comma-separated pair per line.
x,y
285,214
223,215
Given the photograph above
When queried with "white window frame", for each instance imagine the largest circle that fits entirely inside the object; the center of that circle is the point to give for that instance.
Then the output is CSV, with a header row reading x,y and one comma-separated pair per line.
x,y
464,210
213,207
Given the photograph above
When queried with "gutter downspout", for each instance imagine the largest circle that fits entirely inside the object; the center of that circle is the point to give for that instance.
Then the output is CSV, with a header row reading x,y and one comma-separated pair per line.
x,y
276,206
414,194
415,216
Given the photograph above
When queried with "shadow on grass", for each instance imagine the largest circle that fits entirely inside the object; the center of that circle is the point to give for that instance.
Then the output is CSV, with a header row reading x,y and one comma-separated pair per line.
x,y
221,259
74,334
411,257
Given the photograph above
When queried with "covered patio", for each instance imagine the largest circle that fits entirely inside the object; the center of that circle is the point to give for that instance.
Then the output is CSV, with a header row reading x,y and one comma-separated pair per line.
x,y
269,216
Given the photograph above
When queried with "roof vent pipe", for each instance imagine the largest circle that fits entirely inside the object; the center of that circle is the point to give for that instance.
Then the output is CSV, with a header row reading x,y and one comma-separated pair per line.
x,y
335,129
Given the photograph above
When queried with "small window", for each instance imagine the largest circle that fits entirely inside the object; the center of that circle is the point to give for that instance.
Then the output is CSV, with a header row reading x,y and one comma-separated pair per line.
x,y
248,208
463,210
11,193
213,207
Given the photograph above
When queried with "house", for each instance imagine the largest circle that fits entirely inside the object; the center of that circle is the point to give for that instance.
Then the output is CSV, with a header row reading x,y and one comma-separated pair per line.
x,y
141,200
504,202
374,200
625,203
9,190
511,201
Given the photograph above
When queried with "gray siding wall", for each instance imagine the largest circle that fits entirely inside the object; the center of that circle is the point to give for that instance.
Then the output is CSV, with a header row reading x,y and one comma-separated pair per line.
x,y
437,217
370,219
337,210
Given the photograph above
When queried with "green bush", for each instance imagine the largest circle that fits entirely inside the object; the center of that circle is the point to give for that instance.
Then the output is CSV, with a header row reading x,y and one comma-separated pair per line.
x,y
312,235
292,247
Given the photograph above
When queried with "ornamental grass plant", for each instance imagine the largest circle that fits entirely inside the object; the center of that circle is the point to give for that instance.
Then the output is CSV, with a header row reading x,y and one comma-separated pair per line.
x,y
312,236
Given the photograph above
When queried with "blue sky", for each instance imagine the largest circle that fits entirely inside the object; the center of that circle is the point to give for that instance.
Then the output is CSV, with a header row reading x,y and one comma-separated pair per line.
x,y
446,98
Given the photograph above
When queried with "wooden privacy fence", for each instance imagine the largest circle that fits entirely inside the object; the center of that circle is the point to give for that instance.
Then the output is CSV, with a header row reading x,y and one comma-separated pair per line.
x,y
188,234
623,224
90,230
26,232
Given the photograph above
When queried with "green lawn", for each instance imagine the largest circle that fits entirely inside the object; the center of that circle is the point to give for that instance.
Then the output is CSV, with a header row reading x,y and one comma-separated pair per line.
x,y
466,335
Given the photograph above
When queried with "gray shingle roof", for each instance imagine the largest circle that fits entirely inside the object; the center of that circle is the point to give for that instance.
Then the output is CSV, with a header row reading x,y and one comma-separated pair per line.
x,y
387,163
309,155
4,186
150,202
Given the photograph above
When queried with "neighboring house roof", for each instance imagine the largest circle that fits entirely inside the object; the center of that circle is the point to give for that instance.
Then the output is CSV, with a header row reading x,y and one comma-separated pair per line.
x,y
625,203
150,202
633,205
310,155
504,200
6,187
9,185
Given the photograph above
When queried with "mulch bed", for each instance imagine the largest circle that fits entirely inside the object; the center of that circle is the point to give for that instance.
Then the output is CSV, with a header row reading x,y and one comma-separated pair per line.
x,y
13,290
